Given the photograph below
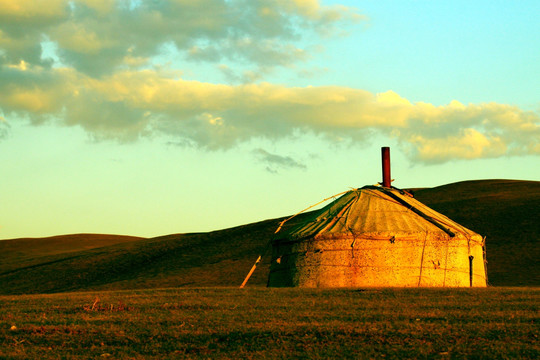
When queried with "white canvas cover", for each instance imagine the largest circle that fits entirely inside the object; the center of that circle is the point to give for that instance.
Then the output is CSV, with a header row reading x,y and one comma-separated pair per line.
x,y
375,236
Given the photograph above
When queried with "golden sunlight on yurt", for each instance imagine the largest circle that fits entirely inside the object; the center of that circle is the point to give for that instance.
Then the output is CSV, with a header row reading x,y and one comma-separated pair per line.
x,y
376,236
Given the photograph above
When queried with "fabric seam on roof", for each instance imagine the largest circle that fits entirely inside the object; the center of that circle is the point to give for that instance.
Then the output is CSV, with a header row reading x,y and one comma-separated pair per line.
x,y
419,212
336,218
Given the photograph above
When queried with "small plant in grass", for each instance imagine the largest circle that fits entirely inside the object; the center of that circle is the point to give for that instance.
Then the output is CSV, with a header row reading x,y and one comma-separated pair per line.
x,y
98,306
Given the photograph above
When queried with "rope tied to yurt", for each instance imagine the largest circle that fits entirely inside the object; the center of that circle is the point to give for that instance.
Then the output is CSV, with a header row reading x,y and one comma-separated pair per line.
x,y
354,240
306,209
446,261
422,259
280,226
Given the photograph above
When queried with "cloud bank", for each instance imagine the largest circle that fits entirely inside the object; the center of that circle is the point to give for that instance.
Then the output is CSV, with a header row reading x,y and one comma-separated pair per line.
x,y
95,64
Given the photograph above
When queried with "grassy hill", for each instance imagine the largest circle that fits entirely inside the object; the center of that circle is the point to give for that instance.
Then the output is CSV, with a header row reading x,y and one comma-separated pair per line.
x,y
505,211
219,258
26,252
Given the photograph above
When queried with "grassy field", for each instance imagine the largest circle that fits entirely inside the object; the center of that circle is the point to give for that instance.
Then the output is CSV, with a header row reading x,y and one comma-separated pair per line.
x,y
217,323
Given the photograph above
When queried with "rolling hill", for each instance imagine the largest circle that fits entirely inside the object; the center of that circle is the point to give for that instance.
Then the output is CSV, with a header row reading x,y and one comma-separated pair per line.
x,y
26,252
505,211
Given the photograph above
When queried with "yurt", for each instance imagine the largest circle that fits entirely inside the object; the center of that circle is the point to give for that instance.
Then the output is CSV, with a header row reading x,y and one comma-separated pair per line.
x,y
376,236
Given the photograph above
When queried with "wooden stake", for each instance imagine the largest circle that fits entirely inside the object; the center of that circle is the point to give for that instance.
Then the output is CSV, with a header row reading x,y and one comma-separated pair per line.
x,y
471,269
250,272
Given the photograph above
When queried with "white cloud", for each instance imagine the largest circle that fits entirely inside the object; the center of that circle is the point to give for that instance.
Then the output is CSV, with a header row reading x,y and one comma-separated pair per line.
x,y
99,36
467,144
103,80
130,104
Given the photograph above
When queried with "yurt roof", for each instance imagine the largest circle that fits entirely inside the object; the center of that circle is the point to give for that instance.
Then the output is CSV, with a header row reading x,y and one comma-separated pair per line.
x,y
372,210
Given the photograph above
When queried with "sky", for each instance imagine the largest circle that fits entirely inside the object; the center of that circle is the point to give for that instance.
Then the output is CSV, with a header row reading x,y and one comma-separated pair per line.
x,y
150,118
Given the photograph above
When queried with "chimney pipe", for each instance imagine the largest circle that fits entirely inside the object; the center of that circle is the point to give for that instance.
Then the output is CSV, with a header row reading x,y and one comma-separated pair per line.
x,y
385,152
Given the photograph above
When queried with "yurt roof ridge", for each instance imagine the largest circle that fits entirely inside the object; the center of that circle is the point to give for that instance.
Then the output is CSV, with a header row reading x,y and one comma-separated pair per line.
x,y
450,229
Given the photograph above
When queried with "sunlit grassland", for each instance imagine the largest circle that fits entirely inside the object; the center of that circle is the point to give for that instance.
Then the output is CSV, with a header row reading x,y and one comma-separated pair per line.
x,y
272,324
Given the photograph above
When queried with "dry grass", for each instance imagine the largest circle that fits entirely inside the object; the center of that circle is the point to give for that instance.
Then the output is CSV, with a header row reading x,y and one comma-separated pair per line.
x,y
262,323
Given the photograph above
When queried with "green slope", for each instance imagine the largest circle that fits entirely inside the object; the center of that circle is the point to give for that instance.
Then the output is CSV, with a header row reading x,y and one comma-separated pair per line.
x,y
502,210
24,252
200,259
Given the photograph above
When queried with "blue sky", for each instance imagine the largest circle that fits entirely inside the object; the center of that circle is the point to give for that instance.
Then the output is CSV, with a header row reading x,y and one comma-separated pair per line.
x,y
151,118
